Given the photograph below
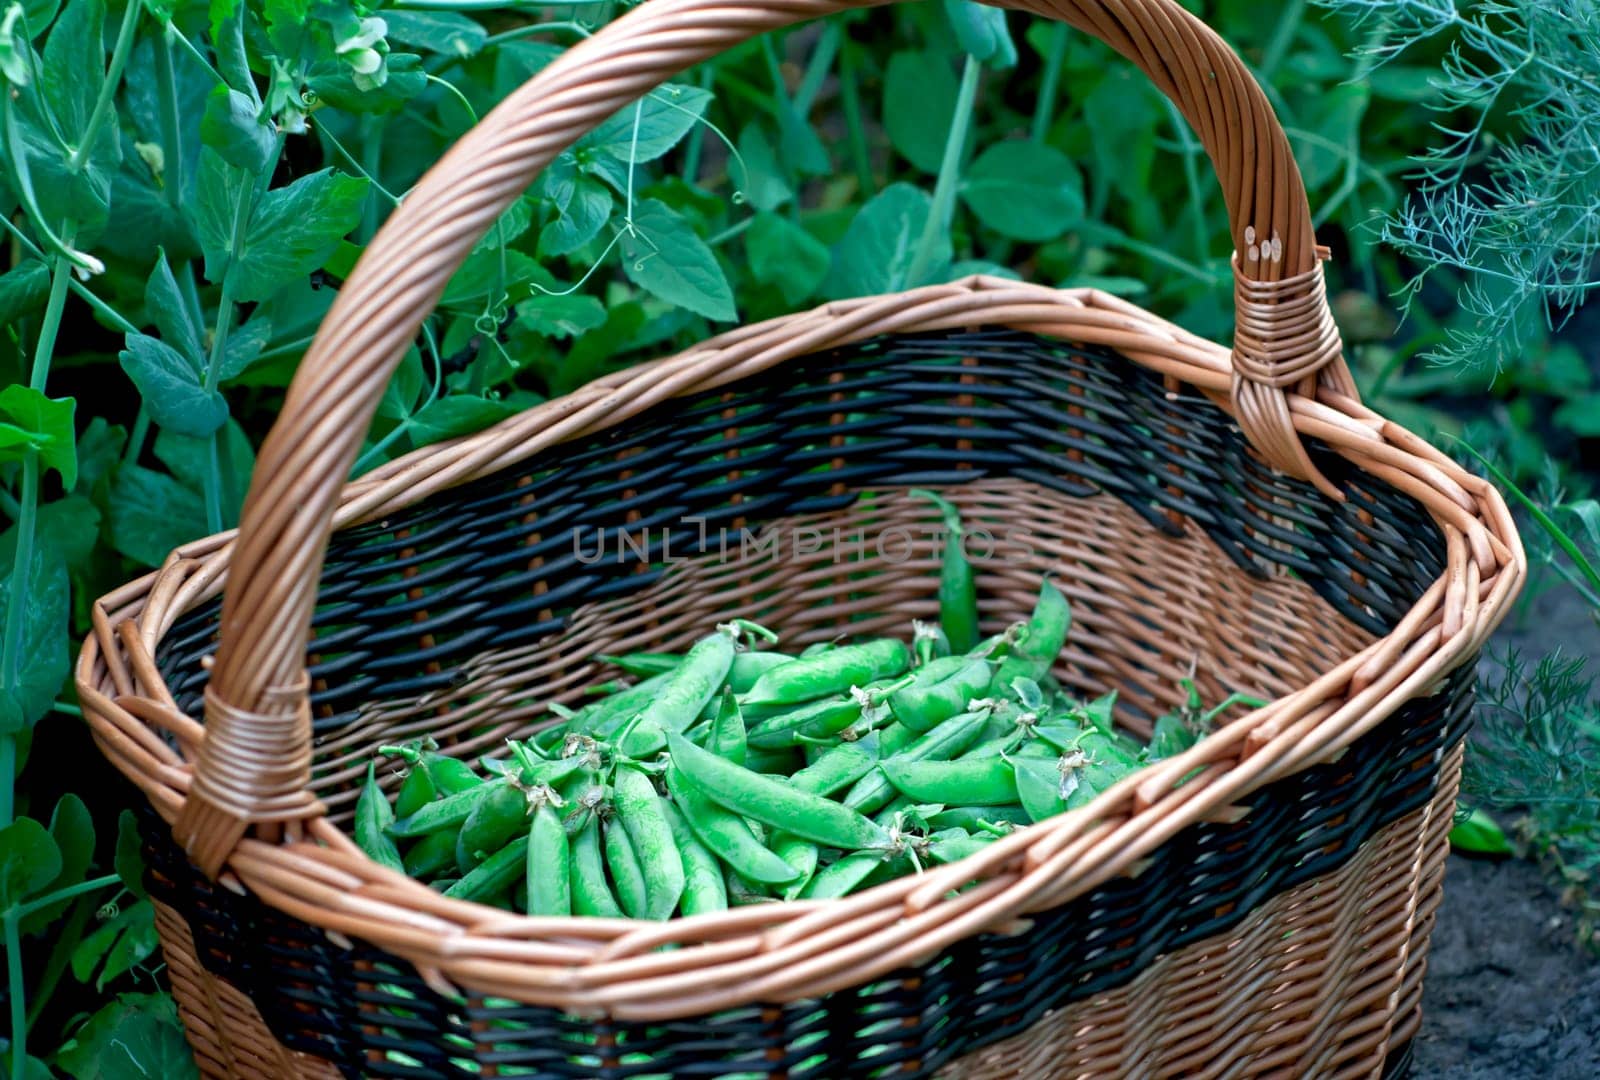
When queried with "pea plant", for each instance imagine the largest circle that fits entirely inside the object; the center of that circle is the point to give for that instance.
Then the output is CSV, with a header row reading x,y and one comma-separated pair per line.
x,y
184,185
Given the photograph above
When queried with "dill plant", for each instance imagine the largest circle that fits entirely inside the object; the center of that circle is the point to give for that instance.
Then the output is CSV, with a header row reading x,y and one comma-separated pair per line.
x,y
1507,206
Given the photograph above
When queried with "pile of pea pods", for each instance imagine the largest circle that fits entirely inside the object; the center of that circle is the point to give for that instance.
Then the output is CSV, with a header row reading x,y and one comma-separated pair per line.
x,y
734,775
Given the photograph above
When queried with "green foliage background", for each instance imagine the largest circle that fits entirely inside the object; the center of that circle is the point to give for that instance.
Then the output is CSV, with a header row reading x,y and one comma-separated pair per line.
x,y
183,186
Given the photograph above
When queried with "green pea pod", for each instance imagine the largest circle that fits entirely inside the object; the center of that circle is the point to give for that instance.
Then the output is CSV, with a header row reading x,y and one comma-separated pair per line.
x,y
704,888
627,876
742,893
958,590
747,667
816,720
800,854
1042,787
773,802
726,834
988,782
590,893
835,770
495,874
833,672
608,715
817,648
1047,636
729,739
972,818
498,817
432,855
842,876
449,775
693,683
643,663
643,740
895,738
643,814
941,690
873,791
773,762
549,866
417,791
949,849
373,815
445,813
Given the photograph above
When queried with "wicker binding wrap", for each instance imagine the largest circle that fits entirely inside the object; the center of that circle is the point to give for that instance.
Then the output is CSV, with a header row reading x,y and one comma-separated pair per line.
x,y
1235,513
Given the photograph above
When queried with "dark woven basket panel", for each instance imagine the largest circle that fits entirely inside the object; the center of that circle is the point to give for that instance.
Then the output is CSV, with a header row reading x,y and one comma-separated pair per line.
x,y
1082,422
352,1007
406,600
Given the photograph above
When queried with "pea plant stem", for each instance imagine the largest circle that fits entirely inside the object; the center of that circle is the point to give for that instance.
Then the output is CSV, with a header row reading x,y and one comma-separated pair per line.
x,y
28,512
850,98
1282,36
944,188
108,89
171,148
67,893
16,991
1049,82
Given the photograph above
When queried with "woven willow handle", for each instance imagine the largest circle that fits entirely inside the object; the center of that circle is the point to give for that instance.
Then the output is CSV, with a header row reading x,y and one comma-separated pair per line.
x,y
254,764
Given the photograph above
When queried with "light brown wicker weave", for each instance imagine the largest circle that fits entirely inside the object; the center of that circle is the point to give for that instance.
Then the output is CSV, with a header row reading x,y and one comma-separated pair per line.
x,y
237,793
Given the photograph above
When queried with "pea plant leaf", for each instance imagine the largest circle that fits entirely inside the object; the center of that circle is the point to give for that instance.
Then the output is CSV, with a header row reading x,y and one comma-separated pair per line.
x,y
288,232
170,311
129,858
663,255
72,829
560,316
459,414
763,183
919,133
29,861
23,288
784,254
150,513
1024,191
41,660
189,459
70,525
233,127
981,31
293,229
172,387
243,347
444,32
117,946
648,128
584,212
29,421
135,1037
70,80
876,253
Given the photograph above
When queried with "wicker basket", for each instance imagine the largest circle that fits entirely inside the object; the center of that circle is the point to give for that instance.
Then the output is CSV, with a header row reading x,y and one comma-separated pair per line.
x,y
1238,515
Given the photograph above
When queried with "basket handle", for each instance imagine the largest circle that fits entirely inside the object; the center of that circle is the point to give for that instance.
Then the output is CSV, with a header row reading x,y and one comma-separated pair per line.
x,y
254,764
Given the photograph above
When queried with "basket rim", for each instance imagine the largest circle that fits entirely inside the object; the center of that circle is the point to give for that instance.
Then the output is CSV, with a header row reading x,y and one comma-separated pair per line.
x,y
310,869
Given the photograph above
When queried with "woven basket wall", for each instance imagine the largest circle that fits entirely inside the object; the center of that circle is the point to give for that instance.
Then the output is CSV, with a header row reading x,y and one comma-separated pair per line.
x,y
1234,515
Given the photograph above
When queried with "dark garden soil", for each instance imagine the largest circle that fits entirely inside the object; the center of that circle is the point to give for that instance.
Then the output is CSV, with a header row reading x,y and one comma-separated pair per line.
x,y
1510,995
